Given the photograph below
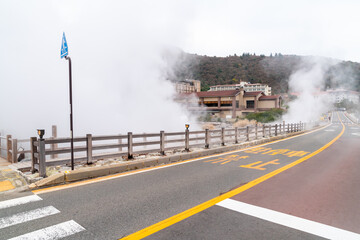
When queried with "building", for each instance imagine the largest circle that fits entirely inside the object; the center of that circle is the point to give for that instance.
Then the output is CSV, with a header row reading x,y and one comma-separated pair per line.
x,y
232,103
339,95
188,86
248,87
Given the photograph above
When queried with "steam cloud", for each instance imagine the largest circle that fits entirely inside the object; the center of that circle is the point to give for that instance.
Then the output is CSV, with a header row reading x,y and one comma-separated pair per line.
x,y
119,72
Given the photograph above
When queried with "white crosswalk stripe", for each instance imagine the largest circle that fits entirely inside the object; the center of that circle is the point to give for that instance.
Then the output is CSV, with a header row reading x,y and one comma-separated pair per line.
x,y
19,201
56,231
27,216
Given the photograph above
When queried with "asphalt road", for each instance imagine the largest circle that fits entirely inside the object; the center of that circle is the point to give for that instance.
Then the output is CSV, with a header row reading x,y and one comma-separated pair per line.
x,y
322,189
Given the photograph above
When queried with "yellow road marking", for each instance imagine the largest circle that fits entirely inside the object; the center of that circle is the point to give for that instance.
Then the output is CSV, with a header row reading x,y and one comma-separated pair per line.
x,y
260,166
192,211
7,170
6,185
104,178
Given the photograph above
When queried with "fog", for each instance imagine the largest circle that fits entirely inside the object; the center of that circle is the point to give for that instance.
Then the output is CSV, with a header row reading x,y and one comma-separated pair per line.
x,y
308,83
118,62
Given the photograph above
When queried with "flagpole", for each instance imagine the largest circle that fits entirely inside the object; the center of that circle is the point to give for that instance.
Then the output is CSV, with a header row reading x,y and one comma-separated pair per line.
x,y
65,53
71,114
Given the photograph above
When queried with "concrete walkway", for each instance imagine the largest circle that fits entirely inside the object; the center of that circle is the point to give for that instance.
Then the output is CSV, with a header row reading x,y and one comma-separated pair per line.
x,y
10,179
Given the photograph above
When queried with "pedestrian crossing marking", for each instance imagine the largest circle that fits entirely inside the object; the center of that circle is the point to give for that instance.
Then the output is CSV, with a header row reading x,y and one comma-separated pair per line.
x,y
19,201
27,216
57,231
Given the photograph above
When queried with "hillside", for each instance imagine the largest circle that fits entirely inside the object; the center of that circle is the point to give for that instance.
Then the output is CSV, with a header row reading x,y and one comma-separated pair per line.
x,y
273,70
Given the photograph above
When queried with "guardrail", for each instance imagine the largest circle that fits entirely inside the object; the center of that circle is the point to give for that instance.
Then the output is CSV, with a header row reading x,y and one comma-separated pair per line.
x,y
86,149
11,148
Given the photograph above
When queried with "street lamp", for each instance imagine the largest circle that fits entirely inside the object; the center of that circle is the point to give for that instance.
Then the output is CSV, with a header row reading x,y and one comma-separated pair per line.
x,y
41,133
187,126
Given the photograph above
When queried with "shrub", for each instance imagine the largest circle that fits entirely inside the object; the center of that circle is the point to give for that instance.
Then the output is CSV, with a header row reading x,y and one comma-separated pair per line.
x,y
265,117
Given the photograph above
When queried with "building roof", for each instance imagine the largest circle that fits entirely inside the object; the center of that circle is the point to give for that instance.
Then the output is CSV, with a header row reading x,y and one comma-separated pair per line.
x,y
269,97
249,94
226,85
251,84
226,93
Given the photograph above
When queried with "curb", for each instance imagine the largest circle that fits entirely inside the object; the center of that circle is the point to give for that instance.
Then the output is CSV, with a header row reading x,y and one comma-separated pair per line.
x,y
93,172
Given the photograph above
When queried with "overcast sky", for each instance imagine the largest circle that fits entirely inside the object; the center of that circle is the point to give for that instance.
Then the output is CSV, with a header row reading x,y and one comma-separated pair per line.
x,y
306,27
116,49
315,27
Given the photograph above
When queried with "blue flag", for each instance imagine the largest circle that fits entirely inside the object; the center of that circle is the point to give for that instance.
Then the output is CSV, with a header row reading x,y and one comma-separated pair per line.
x,y
64,47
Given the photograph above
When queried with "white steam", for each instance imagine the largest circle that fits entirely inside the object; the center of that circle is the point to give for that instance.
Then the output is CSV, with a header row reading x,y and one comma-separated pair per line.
x,y
117,50
308,82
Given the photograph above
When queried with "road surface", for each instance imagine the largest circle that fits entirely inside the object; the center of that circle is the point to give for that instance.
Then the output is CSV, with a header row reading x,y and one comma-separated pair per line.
x,y
303,187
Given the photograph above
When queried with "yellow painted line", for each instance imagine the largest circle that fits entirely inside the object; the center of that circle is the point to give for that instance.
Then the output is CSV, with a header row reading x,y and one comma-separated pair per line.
x,y
7,170
104,178
192,211
6,185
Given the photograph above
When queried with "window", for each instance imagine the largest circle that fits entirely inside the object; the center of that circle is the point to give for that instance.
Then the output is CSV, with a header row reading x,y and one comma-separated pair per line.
x,y
250,104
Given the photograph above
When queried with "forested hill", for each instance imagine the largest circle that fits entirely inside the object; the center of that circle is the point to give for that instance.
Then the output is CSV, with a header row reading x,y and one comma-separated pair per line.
x,y
274,70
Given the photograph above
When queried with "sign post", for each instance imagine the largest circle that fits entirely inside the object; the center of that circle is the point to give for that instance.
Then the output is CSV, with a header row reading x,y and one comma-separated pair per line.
x,y
64,53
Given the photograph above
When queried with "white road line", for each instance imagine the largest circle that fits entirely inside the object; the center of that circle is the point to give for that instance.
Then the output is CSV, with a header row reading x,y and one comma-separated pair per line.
x,y
57,231
19,201
27,216
301,224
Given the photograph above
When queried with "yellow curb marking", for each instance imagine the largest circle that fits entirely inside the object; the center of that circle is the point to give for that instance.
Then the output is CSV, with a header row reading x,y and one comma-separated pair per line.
x,y
199,208
6,185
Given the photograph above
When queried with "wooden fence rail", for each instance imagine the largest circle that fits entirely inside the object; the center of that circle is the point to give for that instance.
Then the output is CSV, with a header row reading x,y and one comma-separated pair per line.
x,y
87,148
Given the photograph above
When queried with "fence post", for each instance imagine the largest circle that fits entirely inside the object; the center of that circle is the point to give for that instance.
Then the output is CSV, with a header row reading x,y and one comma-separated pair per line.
x,y
291,128
300,126
33,151
270,130
247,133
263,130
284,127
207,138
276,129
256,131
88,148
144,140
14,151
8,148
187,140
288,128
42,160
162,142
54,146
222,136
130,145
120,142
236,135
